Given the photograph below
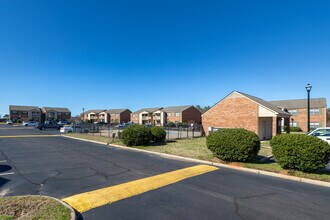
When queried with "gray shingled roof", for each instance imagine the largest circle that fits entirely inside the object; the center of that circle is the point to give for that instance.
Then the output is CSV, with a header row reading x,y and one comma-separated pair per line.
x,y
176,108
116,111
22,108
265,104
301,103
95,111
147,110
58,109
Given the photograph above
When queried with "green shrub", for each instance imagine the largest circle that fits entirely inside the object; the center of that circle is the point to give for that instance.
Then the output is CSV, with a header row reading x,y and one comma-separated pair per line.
x,y
295,129
234,144
300,152
136,135
158,134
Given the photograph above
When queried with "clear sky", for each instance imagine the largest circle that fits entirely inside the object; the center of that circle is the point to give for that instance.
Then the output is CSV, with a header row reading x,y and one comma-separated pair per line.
x,y
135,54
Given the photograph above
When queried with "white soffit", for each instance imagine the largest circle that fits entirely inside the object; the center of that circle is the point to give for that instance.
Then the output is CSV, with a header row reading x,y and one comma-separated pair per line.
x,y
263,112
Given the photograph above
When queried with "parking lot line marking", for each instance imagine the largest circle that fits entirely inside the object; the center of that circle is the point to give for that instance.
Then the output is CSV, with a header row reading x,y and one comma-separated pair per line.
x,y
3,161
96,198
30,136
4,174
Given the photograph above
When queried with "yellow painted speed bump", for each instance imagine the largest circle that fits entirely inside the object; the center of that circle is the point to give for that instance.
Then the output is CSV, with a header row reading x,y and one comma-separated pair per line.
x,y
30,136
96,198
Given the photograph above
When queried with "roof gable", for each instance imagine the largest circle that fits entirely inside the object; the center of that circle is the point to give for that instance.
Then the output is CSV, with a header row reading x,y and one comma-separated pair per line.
x,y
150,110
23,108
176,108
257,100
55,109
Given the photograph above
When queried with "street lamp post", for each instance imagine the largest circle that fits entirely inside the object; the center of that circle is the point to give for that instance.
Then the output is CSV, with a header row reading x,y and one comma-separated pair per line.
x,y
83,114
308,89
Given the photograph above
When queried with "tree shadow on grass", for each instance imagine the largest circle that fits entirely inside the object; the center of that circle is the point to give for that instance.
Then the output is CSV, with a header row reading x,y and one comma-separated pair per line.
x,y
162,143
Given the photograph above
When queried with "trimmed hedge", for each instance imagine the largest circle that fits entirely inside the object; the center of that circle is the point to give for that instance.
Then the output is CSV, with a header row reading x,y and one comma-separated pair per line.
x,y
295,129
158,134
300,152
234,144
136,135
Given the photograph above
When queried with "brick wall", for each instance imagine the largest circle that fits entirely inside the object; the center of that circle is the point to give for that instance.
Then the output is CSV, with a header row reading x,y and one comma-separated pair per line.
x,y
173,118
191,114
301,118
63,116
125,116
19,115
232,112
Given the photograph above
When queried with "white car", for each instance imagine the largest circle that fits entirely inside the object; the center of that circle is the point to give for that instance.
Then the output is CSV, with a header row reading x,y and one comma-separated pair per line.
x,y
66,129
322,133
9,122
30,123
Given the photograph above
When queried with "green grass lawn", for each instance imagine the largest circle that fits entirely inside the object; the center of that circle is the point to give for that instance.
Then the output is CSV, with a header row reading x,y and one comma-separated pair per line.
x,y
96,138
193,148
196,148
32,207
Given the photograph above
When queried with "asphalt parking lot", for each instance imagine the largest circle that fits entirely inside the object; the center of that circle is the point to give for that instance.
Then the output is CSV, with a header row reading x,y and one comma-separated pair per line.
x,y
64,168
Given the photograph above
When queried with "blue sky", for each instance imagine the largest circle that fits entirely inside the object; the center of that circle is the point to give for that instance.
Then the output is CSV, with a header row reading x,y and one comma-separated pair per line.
x,y
134,54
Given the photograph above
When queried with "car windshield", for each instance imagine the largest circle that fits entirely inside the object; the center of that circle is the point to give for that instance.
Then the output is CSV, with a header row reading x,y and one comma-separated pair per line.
x,y
322,133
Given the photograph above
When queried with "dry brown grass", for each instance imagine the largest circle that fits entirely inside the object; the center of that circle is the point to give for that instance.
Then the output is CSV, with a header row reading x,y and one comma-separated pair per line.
x,y
32,207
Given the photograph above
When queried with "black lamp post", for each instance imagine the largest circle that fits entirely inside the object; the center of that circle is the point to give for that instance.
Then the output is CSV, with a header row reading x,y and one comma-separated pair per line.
x,y
83,114
308,89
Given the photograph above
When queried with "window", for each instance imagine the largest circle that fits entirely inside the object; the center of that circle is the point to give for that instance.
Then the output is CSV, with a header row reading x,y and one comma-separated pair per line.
x,y
134,115
59,113
294,124
315,111
169,114
315,124
177,114
322,133
293,112
14,112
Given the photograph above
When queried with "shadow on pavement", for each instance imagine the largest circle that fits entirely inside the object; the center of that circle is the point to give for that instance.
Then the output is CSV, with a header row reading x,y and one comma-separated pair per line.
x,y
4,168
3,181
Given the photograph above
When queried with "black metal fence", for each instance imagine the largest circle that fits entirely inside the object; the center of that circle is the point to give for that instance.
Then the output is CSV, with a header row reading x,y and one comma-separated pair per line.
x,y
112,131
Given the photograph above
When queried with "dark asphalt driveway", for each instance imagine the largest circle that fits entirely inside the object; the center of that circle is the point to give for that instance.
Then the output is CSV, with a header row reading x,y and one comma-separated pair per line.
x,y
61,167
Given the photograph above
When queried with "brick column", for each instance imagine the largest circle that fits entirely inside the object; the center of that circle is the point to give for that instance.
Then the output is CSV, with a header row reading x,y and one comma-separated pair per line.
x,y
274,133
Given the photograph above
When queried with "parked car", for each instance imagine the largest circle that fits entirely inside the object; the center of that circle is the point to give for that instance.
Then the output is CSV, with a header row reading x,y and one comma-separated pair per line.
x,y
9,122
124,125
100,123
49,124
62,123
322,133
149,125
30,123
66,129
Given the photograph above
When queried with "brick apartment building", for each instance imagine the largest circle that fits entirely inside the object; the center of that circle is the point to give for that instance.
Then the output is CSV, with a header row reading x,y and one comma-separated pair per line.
x,y
188,114
34,113
153,116
19,113
239,110
160,116
55,113
110,116
298,110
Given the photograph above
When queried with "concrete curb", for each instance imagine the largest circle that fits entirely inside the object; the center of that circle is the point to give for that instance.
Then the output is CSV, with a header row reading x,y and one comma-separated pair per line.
x,y
261,172
73,213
